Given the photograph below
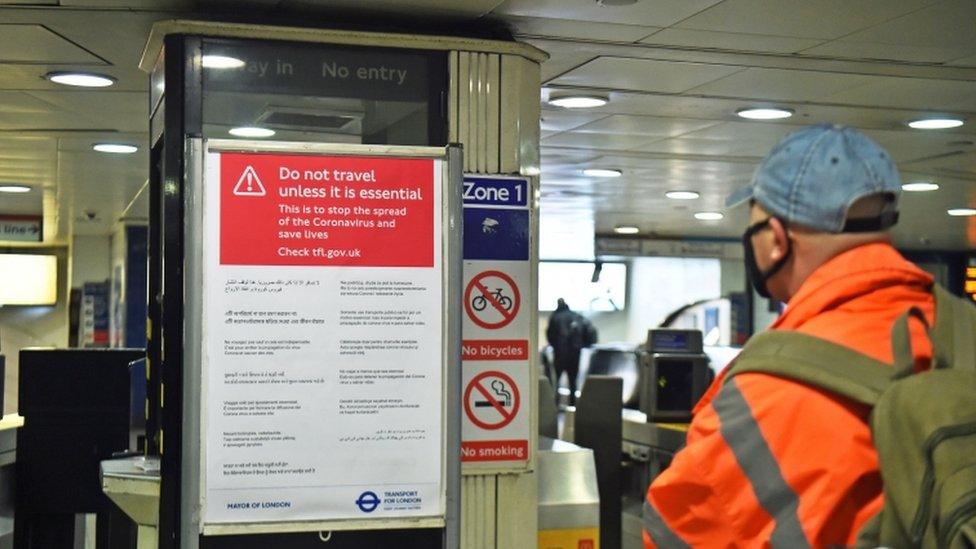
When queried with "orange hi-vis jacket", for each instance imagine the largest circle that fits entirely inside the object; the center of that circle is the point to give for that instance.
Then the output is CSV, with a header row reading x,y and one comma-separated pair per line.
x,y
773,462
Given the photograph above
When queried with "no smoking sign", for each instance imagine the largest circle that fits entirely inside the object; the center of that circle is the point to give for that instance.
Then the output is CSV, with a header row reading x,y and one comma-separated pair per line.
x,y
491,400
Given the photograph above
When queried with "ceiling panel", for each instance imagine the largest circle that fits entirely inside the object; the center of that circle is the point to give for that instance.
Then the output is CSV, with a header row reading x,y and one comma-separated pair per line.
x,y
48,120
799,18
644,125
603,141
769,132
848,49
968,61
731,41
719,147
716,169
563,57
782,85
947,24
644,74
37,44
117,110
659,13
15,102
910,93
908,145
117,36
580,30
557,119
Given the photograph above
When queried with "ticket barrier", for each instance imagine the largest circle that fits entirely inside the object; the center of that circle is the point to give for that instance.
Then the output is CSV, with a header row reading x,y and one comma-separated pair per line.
x,y
569,501
647,450
674,373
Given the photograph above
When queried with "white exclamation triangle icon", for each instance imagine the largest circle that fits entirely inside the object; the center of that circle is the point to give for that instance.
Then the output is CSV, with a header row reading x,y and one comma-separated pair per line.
x,y
249,184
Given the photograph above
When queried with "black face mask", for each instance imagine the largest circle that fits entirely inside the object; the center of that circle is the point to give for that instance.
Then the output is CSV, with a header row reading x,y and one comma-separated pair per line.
x,y
757,277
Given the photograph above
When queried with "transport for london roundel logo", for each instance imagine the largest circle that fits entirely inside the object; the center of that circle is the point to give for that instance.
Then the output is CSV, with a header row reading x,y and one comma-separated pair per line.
x,y
368,501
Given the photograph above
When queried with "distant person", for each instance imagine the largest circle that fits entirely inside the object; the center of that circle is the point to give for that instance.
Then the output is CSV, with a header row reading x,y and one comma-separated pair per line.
x,y
568,333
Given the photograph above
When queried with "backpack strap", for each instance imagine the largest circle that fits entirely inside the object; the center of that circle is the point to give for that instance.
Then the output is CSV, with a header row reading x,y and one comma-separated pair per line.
x,y
954,333
814,361
901,342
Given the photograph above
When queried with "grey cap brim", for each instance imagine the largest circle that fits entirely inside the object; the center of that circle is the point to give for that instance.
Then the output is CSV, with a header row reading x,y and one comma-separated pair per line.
x,y
739,197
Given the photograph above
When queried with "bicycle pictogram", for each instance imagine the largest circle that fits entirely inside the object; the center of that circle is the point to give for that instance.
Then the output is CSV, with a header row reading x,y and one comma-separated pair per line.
x,y
480,301
492,299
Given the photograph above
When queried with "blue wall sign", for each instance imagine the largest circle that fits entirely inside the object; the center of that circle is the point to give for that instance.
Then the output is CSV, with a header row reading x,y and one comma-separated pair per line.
x,y
496,234
492,191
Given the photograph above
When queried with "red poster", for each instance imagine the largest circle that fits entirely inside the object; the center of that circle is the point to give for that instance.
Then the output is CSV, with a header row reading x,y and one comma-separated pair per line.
x,y
278,209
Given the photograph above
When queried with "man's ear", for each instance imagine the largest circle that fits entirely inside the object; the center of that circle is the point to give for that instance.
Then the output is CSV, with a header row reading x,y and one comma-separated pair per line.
x,y
781,239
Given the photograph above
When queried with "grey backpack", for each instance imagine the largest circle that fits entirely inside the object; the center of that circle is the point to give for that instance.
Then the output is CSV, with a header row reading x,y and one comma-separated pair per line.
x,y
923,425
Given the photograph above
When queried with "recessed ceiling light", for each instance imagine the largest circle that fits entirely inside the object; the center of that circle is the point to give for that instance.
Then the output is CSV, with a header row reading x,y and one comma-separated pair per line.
x,y
764,113
920,187
8,188
83,79
251,131
602,172
626,229
221,62
961,212
615,3
115,148
578,101
935,123
709,216
682,195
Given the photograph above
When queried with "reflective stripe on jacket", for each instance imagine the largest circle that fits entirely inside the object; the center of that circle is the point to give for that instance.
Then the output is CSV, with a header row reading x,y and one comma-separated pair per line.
x,y
772,462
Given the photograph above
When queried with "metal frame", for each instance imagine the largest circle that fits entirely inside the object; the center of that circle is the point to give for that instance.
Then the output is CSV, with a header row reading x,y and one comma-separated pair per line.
x,y
193,455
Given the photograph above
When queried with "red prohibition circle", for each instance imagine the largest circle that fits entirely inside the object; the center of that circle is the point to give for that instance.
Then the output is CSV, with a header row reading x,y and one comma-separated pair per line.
x,y
476,384
507,317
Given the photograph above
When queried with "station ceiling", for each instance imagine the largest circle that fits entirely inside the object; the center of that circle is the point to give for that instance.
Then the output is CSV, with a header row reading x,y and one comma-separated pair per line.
x,y
674,71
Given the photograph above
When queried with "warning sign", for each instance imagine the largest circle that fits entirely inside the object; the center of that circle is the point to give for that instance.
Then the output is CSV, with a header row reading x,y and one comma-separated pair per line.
x,y
323,303
492,299
498,302
491,400
286,209
249,184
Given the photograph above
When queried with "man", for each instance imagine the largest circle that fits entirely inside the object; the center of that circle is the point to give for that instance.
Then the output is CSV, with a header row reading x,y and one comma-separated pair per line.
x,y
770,461
568,332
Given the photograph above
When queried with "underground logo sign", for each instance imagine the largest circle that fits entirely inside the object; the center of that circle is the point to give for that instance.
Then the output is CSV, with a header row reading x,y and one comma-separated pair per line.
x,y
368,502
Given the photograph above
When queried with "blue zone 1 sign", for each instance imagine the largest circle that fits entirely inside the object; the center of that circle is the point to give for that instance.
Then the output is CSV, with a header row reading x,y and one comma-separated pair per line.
x,y
496,218
496,234
492,191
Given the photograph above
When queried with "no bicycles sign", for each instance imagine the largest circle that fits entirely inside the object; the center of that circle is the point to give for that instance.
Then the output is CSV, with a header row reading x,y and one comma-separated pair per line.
x,y
492,299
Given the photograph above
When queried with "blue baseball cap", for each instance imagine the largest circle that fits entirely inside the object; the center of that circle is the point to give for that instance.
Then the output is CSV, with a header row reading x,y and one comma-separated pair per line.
x,y
814,175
